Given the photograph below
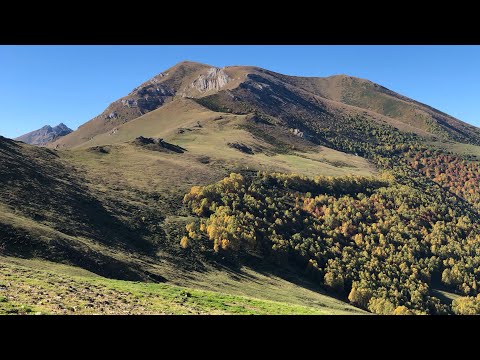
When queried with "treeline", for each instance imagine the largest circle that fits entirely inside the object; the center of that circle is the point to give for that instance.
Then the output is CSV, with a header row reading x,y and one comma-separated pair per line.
x,y
381,244
358,135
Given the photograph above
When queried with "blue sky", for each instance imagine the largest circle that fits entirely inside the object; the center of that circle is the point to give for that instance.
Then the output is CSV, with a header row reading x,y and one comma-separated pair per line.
x,y
42,85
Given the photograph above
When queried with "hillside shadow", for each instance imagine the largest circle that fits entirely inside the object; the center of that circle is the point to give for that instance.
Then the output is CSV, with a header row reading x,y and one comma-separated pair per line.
x,y
25,244
289,273
46,190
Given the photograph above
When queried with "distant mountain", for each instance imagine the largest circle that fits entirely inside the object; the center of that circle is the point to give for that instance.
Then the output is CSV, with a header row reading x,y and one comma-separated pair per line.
x,y
45,135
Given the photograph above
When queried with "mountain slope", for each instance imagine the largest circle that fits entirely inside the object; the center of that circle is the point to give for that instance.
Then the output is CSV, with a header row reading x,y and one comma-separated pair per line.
x,y
319,105
48,211
45,135
368,95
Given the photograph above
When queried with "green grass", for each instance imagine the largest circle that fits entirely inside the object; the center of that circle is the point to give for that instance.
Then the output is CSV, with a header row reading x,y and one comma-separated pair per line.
x,y
34,286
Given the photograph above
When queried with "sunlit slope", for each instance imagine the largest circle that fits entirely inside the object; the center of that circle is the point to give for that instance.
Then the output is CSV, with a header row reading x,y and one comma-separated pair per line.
x,y
209,138
41,287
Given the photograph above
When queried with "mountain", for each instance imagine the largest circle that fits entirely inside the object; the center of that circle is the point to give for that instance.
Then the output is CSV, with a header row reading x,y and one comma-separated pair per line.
x,y
309,104
45,135
328,193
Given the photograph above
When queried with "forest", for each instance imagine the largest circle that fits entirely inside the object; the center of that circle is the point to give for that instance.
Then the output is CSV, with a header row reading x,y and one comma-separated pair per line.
x,y
384,243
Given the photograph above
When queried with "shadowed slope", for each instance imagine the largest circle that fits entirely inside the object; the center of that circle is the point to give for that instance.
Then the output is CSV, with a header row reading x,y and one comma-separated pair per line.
x,y
47,210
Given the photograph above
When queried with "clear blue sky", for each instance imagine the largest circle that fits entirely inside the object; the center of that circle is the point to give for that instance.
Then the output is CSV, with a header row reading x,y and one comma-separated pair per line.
x,y
42,85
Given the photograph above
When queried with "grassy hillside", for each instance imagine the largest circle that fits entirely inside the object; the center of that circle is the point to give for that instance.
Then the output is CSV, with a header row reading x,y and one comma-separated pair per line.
x,y
208,135
48,210
40,287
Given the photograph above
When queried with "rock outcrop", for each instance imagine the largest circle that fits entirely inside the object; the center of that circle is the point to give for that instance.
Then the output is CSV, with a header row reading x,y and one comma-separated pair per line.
x,y
157,144
215,79
241,147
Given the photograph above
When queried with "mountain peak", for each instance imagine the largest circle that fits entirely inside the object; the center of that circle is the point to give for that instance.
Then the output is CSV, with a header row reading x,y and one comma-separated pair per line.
x,y
188,62
346,76
62,126
187,65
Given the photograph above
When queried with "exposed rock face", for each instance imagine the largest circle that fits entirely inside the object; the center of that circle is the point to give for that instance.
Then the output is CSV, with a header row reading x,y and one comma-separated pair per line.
x,y
99,149
148,97
112,115
45,135
146,141
215,79
297,132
